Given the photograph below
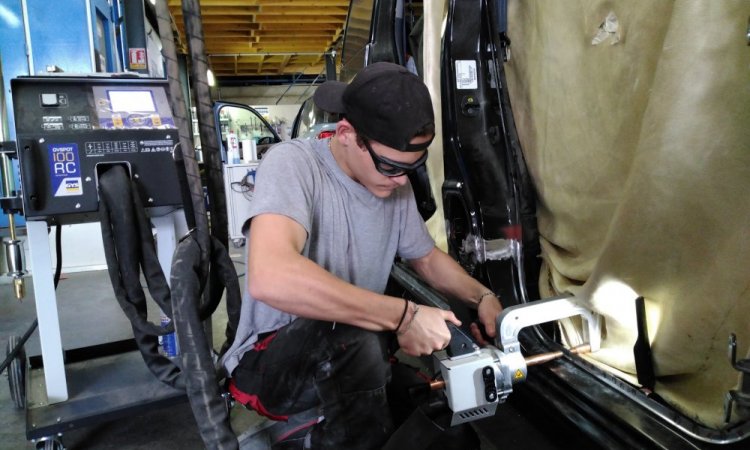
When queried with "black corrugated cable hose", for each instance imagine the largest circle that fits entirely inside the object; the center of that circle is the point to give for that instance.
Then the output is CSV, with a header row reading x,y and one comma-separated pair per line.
x,y
201,379
126,250
129,248
191,15
184,154
191,272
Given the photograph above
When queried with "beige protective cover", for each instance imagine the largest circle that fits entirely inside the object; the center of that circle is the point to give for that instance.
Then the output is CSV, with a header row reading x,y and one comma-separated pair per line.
x,y
434,14
634,117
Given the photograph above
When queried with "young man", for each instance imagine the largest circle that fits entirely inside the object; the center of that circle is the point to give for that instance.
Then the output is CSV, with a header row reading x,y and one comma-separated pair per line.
x,y
328,219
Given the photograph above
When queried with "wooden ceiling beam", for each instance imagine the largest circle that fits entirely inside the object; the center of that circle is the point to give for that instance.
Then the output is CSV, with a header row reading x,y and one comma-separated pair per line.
x,y
301,26
319,47
311,11
224,11
268,37
291,69
275,35
285,62
296,18
263,20
213,28
210,29
214,20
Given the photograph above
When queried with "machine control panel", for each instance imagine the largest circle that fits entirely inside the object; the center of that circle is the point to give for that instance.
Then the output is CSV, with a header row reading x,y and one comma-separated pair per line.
x,y
71,129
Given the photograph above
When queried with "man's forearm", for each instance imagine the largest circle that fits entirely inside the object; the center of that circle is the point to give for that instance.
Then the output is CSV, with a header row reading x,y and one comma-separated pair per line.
x,y
444,274
281,277
301,287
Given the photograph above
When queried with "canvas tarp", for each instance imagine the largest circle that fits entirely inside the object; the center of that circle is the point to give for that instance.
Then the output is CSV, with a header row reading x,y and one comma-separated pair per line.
x,y
634,118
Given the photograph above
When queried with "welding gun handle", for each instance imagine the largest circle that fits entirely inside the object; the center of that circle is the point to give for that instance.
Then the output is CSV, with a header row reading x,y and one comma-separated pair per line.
x,y
461,343
29,166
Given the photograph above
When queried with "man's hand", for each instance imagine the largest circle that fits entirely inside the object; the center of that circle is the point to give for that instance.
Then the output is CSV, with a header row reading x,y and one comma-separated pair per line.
x,y
488,311
427,332
444,274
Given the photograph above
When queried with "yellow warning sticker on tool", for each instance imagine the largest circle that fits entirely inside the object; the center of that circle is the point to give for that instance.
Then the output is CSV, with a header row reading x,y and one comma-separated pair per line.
x,y
518,375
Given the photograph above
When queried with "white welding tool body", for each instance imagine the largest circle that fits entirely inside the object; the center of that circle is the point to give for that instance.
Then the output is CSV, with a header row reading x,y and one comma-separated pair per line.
x,y
478,379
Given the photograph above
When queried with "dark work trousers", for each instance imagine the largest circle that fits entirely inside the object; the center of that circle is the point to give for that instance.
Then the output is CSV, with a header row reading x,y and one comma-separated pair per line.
x,y
340,368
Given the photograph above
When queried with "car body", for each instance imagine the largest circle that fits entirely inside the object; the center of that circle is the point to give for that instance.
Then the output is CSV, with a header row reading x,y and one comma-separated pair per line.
x,y
489,222
312,122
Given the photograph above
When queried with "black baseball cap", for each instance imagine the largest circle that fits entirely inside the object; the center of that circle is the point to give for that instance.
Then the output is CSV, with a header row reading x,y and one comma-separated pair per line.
x,y
385,103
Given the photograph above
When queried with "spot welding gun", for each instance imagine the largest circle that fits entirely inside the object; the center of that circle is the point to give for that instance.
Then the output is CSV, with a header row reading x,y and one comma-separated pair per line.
x,y
477,379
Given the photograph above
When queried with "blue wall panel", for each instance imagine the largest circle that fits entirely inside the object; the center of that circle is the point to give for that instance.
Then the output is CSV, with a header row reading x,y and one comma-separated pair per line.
x,y
12,52
14,63
60,35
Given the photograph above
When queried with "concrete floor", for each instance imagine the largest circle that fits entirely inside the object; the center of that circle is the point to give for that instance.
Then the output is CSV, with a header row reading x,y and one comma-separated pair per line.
x,y
89,315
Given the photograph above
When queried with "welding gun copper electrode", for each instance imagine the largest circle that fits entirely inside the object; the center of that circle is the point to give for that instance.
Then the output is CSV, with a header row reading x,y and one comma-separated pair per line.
x,y
533,360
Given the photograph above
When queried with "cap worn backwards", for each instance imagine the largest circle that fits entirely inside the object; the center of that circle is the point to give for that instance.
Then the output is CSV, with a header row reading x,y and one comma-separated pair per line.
x,y
385,103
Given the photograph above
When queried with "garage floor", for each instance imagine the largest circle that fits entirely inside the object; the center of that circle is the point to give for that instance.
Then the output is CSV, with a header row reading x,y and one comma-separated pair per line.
x,y
89,315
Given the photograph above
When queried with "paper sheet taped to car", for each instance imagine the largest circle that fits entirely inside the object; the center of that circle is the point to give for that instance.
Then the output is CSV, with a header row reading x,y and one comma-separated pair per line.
x,y
72,129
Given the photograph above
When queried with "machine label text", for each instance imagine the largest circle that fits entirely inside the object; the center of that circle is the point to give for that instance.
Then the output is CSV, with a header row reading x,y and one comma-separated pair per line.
x,y
65,170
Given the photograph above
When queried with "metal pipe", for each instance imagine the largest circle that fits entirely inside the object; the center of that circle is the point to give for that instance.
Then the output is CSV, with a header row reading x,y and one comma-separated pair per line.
x,y
541,358
294,81
546,357
306,89
13,246
7,185
90,31
27,37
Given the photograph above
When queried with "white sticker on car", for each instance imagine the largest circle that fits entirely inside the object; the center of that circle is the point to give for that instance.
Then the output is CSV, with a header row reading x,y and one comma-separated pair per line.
x,y
466,74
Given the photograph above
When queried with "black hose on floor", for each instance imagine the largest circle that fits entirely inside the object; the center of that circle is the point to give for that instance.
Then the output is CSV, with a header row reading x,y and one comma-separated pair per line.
x,y
201,378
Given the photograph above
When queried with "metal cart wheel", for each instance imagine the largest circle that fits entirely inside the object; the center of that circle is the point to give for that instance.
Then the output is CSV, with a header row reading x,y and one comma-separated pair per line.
x,y
17,373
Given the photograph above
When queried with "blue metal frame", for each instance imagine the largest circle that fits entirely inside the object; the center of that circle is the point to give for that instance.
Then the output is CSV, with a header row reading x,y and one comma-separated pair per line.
x,y
60,35
102,10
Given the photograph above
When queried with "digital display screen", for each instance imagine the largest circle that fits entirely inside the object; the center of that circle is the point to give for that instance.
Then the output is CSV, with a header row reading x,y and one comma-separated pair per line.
x,y
131,101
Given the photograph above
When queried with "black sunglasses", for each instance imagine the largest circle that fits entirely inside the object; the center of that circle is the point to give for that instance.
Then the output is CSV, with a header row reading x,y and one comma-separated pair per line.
x,y
392,168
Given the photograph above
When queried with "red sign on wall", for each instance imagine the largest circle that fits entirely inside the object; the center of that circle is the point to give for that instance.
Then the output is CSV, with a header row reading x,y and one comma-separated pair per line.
x,y
137,58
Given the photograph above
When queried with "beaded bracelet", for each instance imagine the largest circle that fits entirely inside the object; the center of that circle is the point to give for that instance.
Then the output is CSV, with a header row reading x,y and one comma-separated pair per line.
x,y
411,321
485,294
403,315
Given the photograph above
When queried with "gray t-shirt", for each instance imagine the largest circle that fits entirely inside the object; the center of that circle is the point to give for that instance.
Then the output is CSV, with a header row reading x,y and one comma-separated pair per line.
x,y
350,232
